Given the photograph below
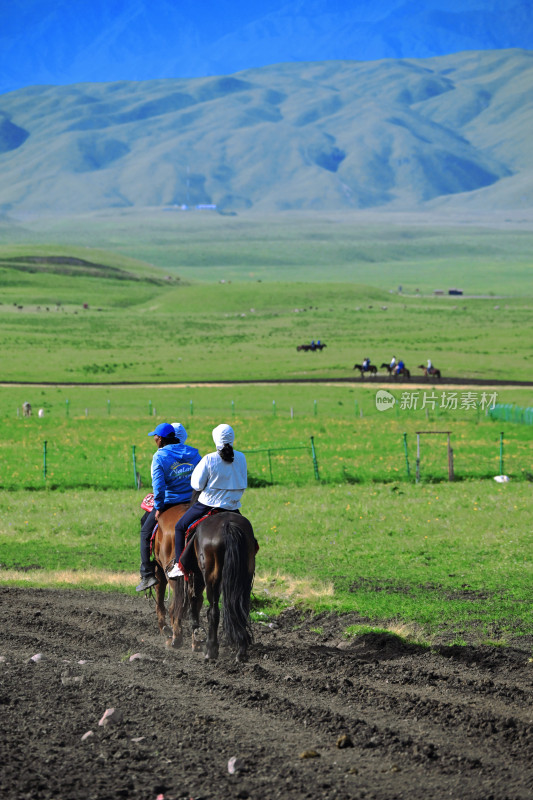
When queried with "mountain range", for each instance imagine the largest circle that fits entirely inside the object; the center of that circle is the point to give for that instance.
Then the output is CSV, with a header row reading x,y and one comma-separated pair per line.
x,y
72,41
393,133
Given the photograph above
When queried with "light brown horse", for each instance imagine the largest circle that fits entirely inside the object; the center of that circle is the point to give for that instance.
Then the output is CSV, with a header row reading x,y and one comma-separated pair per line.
x,y
184,597
224,563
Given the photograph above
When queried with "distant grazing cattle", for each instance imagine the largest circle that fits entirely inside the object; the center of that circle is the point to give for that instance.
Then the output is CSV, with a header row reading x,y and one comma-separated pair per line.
x,y
26,409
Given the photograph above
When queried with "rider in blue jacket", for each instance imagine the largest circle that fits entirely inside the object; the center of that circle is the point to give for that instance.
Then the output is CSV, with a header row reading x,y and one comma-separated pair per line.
x,y
172,466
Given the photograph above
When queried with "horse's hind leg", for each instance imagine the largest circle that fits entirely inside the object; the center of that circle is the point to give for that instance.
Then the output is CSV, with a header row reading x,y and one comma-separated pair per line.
x,y
160,600
177,610
196,599
213,617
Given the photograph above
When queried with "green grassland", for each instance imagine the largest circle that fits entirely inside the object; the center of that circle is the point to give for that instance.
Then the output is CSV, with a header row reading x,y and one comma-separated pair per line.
x,y
433,561
143,326
436,563
90,433
448,560
368,248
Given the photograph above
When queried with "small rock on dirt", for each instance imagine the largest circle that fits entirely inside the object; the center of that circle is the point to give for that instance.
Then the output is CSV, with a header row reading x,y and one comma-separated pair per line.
x,y
235,764
344,741
309,754
111,716
135,657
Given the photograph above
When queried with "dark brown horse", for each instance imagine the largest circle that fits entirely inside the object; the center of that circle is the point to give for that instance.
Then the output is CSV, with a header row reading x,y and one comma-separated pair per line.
x,y
392,371
372,370
224,549
433,372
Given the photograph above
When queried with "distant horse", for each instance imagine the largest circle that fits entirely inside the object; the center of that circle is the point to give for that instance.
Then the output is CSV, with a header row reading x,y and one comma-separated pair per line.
x,y
433,372
307,347
392,371
224,545
372,370
26,409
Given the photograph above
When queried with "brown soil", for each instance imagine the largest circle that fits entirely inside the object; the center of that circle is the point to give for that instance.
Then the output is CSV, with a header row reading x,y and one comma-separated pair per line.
x,y
452,722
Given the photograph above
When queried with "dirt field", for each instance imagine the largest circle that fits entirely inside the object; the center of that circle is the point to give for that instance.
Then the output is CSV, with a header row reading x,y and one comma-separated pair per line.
x,y
448,723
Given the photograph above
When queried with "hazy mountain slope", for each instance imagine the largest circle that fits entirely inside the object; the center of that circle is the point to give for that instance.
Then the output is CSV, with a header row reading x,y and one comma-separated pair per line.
x,y
315,136
68,41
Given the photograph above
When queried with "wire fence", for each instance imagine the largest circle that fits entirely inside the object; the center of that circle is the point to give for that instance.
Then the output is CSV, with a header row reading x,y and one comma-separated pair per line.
x,y
67,463
509,412
307,440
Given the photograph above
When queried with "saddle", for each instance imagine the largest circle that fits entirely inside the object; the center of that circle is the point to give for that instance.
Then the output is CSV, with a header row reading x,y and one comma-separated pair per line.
x,y
187,560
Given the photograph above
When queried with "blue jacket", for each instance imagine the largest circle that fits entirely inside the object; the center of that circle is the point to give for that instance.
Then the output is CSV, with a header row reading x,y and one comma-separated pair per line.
x,y
172,468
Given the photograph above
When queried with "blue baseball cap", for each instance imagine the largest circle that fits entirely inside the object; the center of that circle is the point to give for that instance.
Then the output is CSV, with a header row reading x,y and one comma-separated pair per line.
x,y
164,429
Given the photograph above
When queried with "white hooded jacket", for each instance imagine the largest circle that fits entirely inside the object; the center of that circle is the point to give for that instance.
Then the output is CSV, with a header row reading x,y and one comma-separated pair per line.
x,y
221,484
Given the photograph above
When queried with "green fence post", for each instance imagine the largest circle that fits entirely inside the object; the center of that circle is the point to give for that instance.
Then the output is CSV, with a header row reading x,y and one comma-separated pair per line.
x,y
315,408
233,408
191,407
150,408
66,408
274,407
134,466
108,406
501,453
406,455
44,460
315,462
270,468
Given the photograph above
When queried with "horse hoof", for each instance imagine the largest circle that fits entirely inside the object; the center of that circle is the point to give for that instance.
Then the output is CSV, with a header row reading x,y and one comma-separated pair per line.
x,y
211,656
166,631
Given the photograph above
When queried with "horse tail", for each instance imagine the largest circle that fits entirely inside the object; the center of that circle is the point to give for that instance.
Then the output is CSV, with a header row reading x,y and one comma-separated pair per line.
x,y
236,586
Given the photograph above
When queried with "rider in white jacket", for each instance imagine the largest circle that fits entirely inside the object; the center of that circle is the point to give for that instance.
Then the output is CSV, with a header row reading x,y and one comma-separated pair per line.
x,y
221,478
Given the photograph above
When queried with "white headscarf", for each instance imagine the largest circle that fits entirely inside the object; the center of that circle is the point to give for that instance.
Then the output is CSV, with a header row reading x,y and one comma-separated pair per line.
x,y
223,434
180,432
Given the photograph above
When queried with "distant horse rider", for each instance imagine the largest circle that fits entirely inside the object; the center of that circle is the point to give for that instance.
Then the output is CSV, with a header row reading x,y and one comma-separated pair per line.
x,y
366,364
429,367
172,466
392,365
400,366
